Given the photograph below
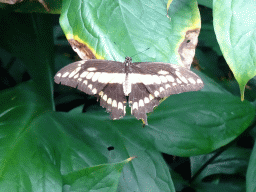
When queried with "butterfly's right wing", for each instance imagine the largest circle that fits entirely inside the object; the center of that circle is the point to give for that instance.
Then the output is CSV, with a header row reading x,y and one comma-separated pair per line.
x,y
153,81
101,78
165,79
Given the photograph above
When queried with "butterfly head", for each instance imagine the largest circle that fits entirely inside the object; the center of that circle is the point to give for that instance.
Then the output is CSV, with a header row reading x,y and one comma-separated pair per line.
x,y
128,60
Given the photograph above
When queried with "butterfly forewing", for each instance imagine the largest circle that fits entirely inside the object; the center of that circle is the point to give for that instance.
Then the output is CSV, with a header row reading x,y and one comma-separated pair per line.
x,y
164,79
90,76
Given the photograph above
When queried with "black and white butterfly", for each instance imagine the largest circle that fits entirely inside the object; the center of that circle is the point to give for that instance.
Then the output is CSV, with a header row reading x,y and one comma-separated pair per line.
x,y
144,82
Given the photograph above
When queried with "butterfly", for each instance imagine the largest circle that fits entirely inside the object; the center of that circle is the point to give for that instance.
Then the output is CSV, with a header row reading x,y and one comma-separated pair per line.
x,y
146,83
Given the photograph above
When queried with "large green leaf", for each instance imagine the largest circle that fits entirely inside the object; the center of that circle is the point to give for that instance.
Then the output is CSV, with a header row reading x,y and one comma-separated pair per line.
x,y
99,178
30,38
234,24
22,164
251,172
233,161
39,147
115,29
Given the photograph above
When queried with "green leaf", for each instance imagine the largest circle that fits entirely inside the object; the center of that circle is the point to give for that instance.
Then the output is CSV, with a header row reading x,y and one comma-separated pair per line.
x,y
234,24
234,186
192,121
32,42
198,123
232,161
251,172
23,166
114,29
49,145
207,3
99,178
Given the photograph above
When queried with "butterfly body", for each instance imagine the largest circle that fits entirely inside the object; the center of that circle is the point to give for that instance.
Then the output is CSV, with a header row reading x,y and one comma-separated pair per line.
x,y
144,82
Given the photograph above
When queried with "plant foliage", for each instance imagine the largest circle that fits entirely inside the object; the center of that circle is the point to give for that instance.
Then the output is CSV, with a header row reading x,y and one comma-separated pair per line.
x,y
44,149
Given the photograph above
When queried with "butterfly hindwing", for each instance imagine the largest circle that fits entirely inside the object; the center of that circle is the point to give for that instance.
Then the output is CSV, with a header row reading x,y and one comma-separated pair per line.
x,y
113,99
141,101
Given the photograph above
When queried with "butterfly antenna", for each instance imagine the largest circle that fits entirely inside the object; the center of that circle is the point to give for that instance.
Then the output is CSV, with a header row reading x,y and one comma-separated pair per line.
x,y
141,52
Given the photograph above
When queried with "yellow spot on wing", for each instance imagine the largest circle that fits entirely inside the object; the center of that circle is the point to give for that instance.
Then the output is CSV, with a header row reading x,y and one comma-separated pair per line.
x,y
135,105
156,93
114,104
120,105
84,74
109,101
141,104
94,91
146,100
91,69
105,97
65,74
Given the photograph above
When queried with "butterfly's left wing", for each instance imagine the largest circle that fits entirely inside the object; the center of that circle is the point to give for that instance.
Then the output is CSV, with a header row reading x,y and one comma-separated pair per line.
x,y
100,78
153,81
